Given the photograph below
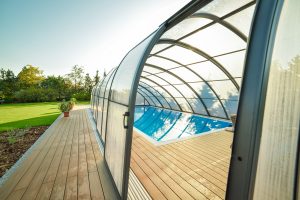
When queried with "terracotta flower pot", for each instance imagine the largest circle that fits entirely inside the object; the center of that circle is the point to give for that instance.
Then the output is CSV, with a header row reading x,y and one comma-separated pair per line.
x,y
66,114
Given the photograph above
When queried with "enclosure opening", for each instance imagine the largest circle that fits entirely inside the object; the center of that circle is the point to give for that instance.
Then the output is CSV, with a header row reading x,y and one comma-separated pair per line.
x,y
187,94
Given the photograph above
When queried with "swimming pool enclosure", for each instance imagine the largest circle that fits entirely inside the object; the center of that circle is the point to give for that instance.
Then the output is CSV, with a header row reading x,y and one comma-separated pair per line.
x,y
216,59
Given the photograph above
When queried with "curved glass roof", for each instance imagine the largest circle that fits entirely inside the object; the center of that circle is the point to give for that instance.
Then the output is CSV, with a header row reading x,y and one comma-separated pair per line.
x,y
196,66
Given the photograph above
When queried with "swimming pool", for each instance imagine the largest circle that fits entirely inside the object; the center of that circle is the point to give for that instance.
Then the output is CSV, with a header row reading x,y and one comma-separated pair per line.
x,y
166,125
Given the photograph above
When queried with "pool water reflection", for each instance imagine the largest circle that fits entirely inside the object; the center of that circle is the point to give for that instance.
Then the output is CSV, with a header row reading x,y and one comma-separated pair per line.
x,y
164,125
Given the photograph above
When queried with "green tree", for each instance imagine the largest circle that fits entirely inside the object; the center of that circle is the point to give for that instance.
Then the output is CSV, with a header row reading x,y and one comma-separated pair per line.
x,y
8,83
76,76
96,78
58,84
30,76
88,84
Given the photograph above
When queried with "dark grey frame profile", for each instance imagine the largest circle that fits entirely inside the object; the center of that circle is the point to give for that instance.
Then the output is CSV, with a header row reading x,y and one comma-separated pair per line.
x,y
252,99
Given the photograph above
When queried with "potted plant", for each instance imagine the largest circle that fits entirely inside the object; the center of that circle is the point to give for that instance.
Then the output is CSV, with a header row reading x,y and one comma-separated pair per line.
x,y
65,107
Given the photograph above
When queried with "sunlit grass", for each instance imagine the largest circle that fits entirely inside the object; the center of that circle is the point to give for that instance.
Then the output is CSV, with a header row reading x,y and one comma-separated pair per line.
x,y
23,115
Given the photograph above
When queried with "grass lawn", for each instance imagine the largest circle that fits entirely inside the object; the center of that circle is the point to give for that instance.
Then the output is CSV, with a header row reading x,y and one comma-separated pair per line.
x,y
23,115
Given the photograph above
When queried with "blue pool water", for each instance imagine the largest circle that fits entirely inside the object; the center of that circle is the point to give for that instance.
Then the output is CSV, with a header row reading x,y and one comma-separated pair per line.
x,y
164,125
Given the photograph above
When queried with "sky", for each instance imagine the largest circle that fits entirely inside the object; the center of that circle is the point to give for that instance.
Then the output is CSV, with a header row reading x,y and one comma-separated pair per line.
x,y
55,35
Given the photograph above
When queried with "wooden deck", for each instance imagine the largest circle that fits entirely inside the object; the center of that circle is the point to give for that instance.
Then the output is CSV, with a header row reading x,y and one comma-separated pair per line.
x,y
191,169
65,164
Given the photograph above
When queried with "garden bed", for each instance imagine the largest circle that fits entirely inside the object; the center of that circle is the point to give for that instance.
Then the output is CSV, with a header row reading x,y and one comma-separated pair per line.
x,y
13,144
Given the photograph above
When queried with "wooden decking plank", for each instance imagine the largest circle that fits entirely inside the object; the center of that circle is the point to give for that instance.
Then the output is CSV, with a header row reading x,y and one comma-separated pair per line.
x,y
199,162
58,190
168,192
107,186
83,178
179,175
45,190
16,194
152,189
176,187
10,184
204,179
193,168
53,169
71,188
36,182
95,185
26,179
200,183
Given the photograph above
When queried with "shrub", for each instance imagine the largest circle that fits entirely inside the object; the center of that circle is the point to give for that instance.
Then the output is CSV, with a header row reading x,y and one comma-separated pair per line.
x,y
36,95
82,96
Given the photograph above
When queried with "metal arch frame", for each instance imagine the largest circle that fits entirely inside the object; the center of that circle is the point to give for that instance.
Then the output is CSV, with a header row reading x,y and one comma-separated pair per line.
x,y
157,92
143,87
218,20
185,83
173,87
144,97
203,54
210,87
140,91
164,90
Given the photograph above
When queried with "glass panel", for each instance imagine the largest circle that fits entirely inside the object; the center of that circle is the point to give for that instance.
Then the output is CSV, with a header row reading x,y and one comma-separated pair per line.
x,y
182,55
109,84
215,40
186,91
186,26
208,71
170,78
198,106
214,107
124,77
152,70
157,80
222,7
173,103
203,90
159,47
163,63
234,63
150,83
184,105
99,114
185,74
230,106
225,90
162,91
140,100
242,20
115,143
150,96
275,173
104,117
172,91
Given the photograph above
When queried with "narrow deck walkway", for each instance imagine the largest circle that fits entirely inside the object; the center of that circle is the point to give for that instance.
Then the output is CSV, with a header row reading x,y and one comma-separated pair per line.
x,y
65,164
191,169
